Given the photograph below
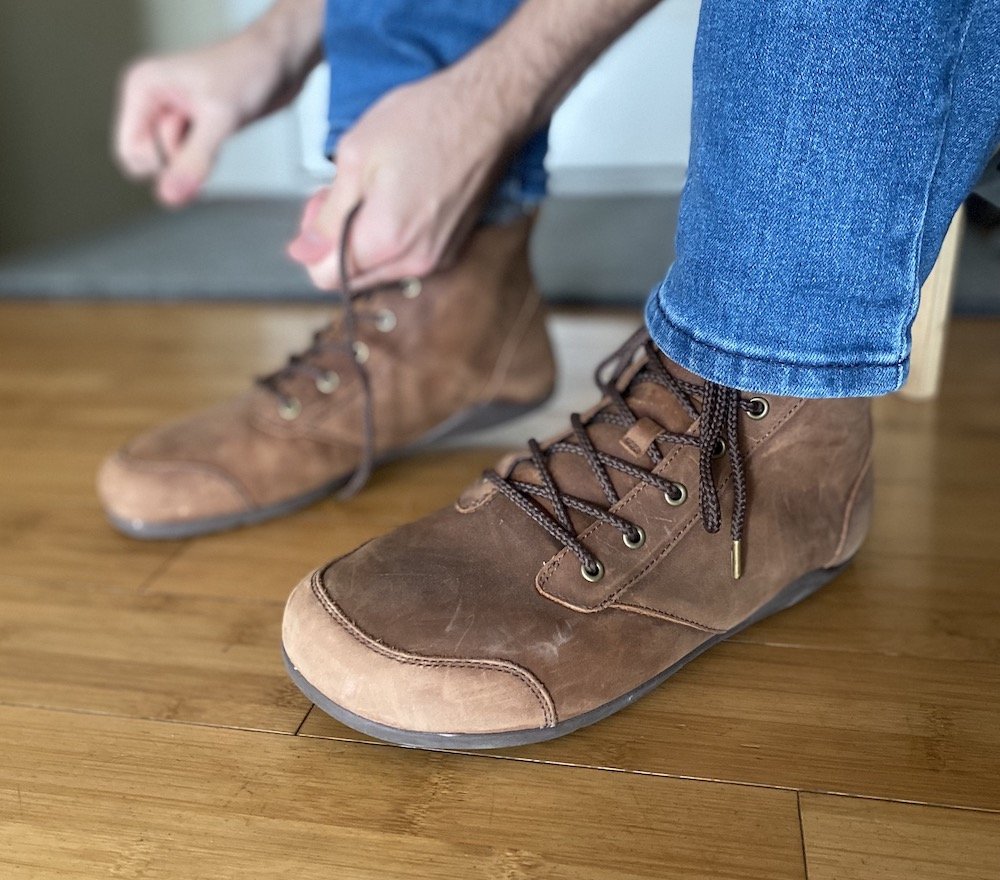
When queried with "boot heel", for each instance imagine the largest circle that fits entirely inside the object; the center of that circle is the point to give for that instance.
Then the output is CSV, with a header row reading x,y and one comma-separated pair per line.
x,y
525,371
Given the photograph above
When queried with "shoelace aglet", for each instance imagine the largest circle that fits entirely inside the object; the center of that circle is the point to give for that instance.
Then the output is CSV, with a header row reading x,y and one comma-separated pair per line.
x,y
737,554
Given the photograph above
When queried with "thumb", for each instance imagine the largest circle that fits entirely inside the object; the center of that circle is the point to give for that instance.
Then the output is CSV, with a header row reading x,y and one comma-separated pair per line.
x,y
191,162
323,263
318,243
309,246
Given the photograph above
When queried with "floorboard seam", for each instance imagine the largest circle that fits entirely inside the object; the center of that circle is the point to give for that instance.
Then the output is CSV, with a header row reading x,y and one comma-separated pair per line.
x,y
161,569
499,757
178,722
802,835
682,776
903,655
304,719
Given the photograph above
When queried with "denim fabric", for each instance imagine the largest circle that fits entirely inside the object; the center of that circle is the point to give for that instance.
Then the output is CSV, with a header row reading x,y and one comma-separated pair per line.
x,y
831,144
375,45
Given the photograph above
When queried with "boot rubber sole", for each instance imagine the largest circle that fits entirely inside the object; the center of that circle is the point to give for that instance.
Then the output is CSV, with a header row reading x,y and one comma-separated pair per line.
x,y
474,419
794,593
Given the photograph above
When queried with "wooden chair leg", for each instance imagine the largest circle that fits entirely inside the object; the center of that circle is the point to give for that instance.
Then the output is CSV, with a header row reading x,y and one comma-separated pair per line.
x,y
930,326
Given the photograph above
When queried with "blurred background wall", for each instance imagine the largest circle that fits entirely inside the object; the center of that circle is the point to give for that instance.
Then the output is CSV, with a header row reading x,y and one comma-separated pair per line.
x,y
71,226
625,128
60,61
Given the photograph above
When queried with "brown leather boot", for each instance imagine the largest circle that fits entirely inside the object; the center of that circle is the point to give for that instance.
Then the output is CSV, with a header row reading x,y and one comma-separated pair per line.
x,y
400,367
578,576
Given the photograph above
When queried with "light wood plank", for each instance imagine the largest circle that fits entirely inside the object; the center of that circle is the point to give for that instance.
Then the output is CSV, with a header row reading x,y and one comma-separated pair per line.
x,y
881,685
48,542
916,521
849,839
929,330
169,657
972,367
902,606
76,381
84,797
942,446
830,721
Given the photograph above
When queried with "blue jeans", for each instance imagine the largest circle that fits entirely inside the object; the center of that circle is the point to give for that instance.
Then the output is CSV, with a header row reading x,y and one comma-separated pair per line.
x,y
832,142
375,45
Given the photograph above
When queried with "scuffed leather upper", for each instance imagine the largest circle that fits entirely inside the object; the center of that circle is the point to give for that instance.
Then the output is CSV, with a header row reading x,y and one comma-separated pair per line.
x,y
482,582
475,334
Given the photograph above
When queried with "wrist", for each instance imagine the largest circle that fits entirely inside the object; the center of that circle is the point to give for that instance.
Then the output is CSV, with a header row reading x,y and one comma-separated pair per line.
x,y
504,102
288,35
541,51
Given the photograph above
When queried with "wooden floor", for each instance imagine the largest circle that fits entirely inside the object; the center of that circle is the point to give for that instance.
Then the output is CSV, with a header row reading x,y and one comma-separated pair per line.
x,y
147,729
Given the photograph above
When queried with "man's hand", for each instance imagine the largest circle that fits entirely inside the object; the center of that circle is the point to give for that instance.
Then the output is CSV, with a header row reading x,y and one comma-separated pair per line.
x,y
175,111
421,162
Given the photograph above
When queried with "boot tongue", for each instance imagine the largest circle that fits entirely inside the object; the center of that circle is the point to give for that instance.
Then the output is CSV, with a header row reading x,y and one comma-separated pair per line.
x,y
656,408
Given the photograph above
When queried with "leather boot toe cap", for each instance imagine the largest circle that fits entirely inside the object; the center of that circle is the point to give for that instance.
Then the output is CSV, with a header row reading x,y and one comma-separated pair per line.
x,y
392,687
138,492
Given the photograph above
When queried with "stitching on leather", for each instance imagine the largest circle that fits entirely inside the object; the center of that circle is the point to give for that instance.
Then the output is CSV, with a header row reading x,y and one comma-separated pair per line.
x,y
522,324
550,568
476,505
608,600
537,689
154,465
768,434
663,615
826,365
687,526
849,507
556,561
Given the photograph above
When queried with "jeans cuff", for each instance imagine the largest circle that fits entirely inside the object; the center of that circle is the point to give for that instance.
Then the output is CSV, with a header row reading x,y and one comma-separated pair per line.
x,y
764,376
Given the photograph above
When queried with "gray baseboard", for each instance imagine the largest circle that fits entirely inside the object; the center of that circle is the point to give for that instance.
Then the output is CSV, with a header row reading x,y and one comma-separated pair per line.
x,y
596,248
605,248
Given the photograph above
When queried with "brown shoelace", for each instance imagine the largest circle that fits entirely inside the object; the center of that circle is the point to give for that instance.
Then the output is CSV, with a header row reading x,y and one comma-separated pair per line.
x,y
346,341
718,435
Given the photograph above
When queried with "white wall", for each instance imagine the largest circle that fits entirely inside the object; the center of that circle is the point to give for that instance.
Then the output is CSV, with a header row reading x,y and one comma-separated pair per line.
x,y
625,128
171,25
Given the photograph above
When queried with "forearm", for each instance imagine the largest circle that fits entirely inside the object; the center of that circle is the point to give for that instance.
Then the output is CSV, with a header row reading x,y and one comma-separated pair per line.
x,y
292,30
518,77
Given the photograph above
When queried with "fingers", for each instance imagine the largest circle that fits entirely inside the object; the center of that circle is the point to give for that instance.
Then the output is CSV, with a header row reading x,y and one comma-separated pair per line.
x,y
170,131
134,144
406,265
378,251
382,248
191,152
310,246
166,133
317,246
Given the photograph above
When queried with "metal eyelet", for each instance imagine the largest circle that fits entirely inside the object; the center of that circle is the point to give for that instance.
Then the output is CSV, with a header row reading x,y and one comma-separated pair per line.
x,y
593,574
720,449
680,496
636,542
758,408
289,408
385,320
328,382
412,288
361,352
